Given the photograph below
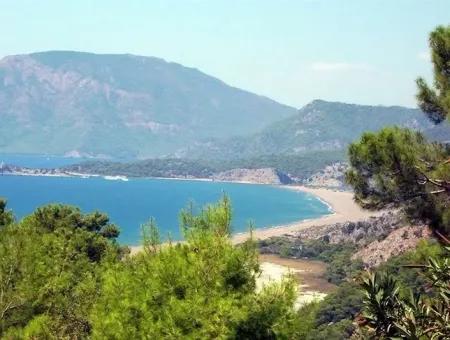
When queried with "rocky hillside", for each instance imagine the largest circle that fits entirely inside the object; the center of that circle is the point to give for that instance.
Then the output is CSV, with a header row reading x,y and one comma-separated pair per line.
x,y
375,240
319,126
119,105
360,232
396,243
332,176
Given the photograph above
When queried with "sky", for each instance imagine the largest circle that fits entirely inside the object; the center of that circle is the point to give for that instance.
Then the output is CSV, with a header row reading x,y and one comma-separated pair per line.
x,y
293,51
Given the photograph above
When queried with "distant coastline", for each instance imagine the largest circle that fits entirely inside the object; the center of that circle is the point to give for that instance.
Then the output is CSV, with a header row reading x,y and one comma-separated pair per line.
x,y
52,173
340,203
11,170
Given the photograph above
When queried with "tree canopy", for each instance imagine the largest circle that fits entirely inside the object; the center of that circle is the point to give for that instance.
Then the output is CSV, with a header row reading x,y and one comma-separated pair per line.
x,y
6,217
49,273
64,276
398,167
201,288
435,102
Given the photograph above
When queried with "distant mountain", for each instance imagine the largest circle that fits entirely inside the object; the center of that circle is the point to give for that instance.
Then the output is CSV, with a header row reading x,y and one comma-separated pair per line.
x,y
320,125
119,105
84,104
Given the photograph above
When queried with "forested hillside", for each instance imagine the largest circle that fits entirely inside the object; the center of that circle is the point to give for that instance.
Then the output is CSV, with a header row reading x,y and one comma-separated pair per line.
x,y
320,126
298,166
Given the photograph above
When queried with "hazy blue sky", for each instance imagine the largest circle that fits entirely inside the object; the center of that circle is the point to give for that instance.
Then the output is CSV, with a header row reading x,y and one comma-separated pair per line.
x,y
293,51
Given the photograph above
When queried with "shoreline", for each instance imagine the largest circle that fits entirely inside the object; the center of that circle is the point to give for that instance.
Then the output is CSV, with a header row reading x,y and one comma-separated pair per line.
x,y
340,203
343,208
87,176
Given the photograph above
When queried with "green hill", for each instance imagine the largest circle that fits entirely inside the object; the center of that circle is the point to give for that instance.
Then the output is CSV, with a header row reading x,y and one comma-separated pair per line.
x,y
320,125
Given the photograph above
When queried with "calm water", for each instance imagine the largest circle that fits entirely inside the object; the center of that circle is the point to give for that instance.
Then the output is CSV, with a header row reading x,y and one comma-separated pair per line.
x,y
129,204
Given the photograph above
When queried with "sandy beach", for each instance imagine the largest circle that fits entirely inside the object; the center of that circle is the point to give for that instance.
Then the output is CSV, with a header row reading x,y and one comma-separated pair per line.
x,y
308,273
341,202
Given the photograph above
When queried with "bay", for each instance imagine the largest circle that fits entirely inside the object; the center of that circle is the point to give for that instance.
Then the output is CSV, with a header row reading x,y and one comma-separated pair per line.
x,y
131,203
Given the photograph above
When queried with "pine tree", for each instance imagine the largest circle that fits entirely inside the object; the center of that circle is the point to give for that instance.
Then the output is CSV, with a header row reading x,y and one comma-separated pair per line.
x,y
436,102
400,168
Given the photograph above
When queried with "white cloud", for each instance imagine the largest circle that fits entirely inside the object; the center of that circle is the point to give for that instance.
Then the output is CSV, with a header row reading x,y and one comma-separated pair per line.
x,y
322,66
424,56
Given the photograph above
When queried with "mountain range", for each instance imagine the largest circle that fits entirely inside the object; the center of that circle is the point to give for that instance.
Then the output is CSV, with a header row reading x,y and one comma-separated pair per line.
x,y
119,105
127,106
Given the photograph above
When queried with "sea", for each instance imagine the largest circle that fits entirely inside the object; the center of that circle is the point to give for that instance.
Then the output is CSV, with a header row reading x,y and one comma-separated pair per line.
x,y
132,203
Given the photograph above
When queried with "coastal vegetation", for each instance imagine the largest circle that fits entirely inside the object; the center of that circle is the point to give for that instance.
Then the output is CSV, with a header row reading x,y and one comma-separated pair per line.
x,y
400,168
336,255
407,297
346,311
50,270
298,167
63,275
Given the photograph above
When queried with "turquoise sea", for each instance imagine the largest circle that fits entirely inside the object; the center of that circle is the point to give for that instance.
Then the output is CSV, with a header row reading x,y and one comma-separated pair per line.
x,y
131,203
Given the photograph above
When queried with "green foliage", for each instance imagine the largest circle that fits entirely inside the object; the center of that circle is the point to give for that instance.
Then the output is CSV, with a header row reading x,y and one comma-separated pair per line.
x,y
269,314
301,165
436,102
398,167
339,331
338,257
306,316
201,288
382,304
49,273
343,267
52,217
214,219
389,314
6,217
412,278
151,236
344,303
62,277
385,300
